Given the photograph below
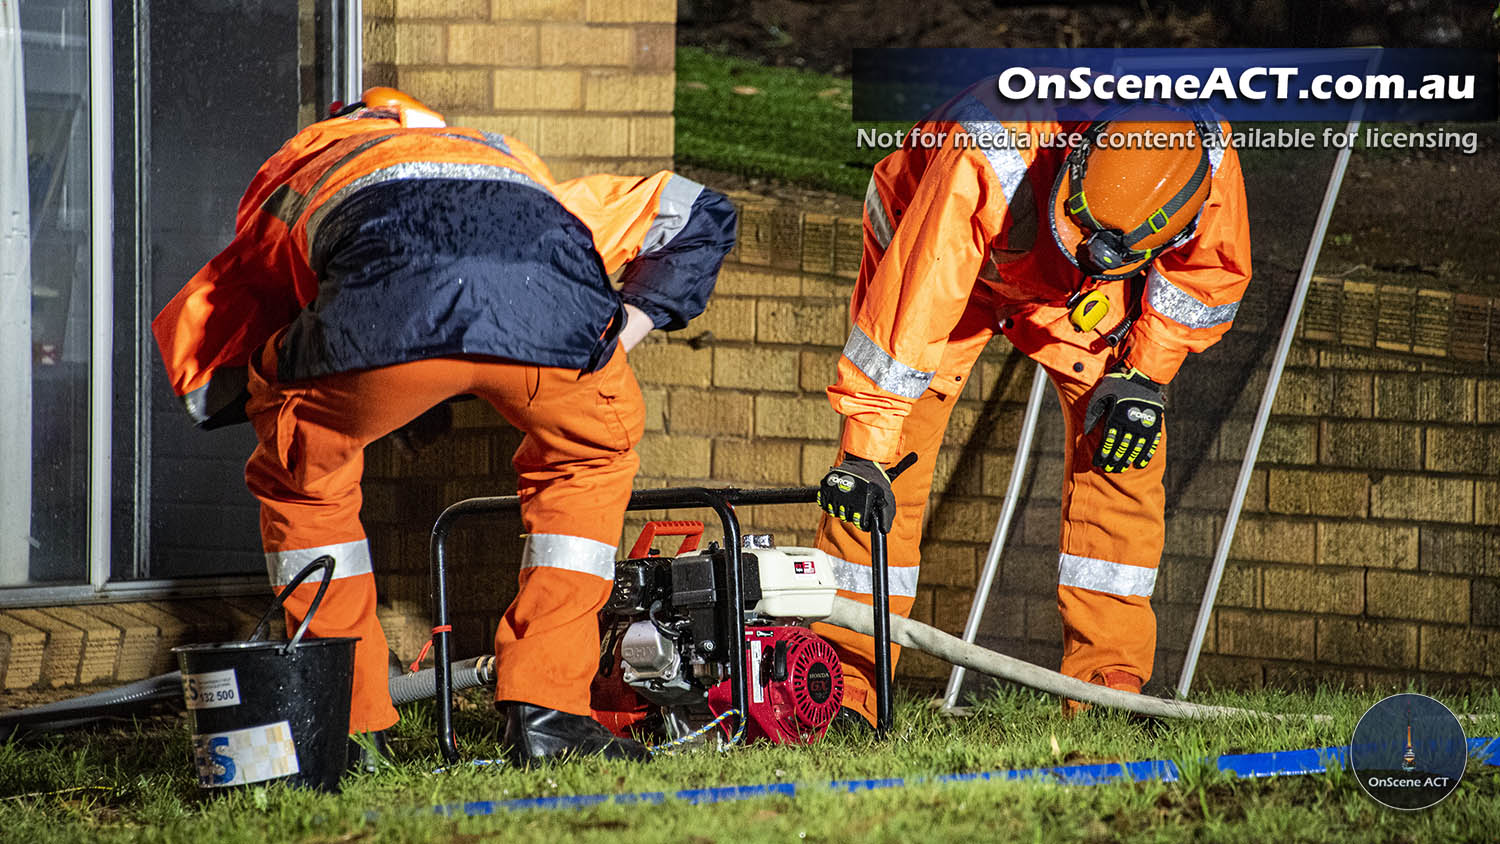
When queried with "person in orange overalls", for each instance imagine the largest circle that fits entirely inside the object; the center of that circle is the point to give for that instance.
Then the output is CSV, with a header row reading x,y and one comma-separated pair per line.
x,y
1000,228
384,262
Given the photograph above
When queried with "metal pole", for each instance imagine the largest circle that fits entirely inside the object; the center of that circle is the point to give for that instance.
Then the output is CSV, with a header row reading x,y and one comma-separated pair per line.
x,y
880,601
1002,528
1262,415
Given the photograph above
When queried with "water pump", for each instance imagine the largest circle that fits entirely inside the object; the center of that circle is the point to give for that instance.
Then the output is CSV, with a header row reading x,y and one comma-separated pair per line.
x,y
667,633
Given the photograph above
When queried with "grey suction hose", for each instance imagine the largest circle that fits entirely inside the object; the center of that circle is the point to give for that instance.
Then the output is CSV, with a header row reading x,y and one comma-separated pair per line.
x,y
81,710
420,685
914,634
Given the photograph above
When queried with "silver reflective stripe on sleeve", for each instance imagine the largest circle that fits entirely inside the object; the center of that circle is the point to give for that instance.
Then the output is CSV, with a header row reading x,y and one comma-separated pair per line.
x,y
570,553
1005,160
1105,576
854,577
880,221
414,170
1181,307
889,374
350,559
677,198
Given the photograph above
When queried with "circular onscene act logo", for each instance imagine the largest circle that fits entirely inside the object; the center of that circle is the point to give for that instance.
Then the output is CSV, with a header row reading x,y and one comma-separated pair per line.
x,y
1408,752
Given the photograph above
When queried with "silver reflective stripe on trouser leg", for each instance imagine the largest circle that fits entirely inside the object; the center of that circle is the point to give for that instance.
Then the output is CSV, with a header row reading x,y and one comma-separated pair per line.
x,y
856,578
349,560
889,374
880,221
1182,307
569,553
1104,576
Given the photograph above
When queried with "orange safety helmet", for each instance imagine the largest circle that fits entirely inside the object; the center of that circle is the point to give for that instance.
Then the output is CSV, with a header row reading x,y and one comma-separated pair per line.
x,y
1130,190
409,110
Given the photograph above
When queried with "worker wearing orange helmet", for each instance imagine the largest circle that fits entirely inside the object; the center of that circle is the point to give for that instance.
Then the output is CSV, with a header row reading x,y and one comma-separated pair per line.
x,y
384,262
1107,261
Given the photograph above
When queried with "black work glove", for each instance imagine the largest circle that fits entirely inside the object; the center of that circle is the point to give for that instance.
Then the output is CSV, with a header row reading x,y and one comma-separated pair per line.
x,y
850,490
1131,406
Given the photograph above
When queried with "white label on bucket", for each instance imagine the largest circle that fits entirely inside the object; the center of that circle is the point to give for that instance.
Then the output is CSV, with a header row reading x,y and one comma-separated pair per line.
x,y
239,757
211,689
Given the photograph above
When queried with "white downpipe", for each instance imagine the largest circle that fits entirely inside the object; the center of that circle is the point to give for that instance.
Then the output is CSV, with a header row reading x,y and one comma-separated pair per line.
x,y
1002,529
101,317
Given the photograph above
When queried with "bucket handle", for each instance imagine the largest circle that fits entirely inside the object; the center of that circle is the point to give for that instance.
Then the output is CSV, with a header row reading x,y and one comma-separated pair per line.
x,y
325,563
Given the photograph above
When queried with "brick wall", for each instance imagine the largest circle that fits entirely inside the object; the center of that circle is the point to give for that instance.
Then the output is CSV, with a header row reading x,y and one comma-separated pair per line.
x,y
587,84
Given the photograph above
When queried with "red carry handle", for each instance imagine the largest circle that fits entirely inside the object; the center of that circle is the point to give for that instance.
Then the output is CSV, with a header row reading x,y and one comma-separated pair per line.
x,y
690,531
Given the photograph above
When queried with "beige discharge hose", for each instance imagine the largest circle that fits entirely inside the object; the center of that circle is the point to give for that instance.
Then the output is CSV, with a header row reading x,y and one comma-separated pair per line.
x,y
855,616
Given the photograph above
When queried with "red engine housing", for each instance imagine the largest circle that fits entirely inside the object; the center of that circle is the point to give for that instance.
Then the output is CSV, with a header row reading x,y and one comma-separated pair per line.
x,y
796,686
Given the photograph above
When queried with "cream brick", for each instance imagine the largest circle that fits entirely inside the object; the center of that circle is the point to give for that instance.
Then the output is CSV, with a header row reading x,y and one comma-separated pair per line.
x,y
420,43
521,126
672,363
539,10
1277,635
586,46
651,135
1319,590
723,412
817,459
1319,493
448,90
636,92
1375,544
740,280
655,46
756,368
578,135
1422,597
538,90
493,44
757,462
1276,540
795,418
1422,497
819,369
379,36
727,318
632,11
442,9
666,456
803,323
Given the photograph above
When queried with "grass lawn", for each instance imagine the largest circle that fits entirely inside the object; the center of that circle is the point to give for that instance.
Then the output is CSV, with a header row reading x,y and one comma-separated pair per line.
x,y
769,122
135,783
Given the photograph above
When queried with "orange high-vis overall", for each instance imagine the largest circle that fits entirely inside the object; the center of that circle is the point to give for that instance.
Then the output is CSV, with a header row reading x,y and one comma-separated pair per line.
x,y
956,248
379,270
575,467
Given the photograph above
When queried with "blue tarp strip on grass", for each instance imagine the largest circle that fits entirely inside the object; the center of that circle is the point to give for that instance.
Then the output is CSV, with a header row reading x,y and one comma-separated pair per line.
x,y
1313,760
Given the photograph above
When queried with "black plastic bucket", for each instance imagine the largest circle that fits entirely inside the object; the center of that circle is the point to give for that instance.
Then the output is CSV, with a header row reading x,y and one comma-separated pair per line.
x,y
261,711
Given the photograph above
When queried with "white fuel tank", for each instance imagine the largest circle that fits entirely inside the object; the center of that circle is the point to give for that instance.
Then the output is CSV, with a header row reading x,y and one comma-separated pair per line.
x,y
795,582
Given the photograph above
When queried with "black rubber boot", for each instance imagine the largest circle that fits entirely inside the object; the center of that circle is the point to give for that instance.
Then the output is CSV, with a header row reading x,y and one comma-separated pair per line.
x,y
367,760
537,734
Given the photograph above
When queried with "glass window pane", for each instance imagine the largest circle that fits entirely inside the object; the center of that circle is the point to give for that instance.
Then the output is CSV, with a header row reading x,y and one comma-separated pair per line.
x,y
224,89
44,291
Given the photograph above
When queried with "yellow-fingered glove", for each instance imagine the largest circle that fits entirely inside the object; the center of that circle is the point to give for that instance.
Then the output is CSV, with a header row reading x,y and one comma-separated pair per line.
x,y
850,492
1130,406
